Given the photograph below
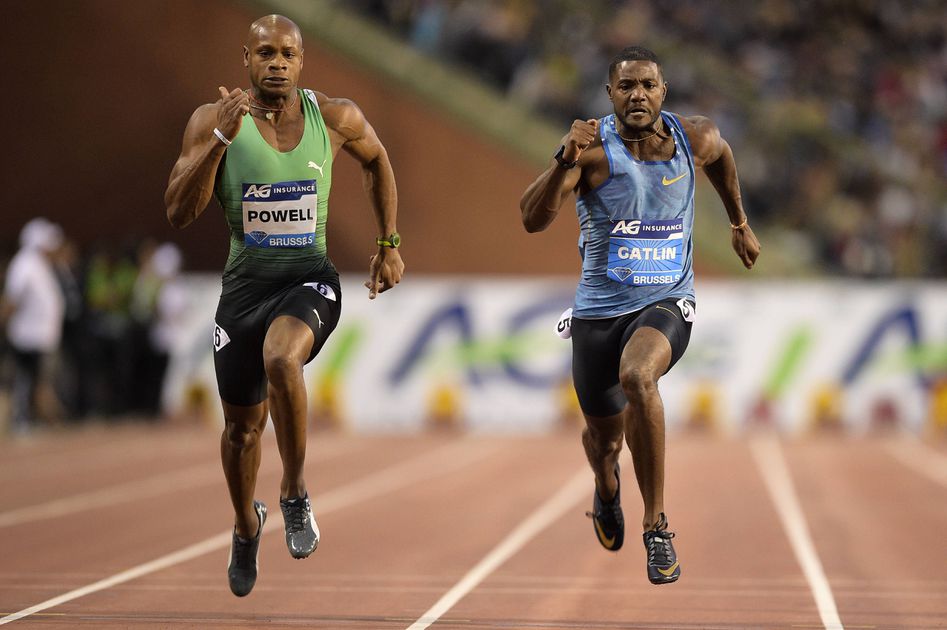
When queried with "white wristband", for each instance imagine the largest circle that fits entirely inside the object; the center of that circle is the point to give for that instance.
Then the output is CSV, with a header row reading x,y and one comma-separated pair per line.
x,y
221,137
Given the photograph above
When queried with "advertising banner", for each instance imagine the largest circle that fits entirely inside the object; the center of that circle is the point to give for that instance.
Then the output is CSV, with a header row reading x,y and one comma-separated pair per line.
x,y
484,354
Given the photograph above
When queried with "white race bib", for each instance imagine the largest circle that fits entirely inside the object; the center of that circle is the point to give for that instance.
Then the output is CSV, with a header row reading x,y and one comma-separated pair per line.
x,y
282,214
564,325
644,253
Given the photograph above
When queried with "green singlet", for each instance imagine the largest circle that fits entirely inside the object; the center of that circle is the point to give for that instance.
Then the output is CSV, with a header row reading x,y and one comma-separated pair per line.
x,y
276,205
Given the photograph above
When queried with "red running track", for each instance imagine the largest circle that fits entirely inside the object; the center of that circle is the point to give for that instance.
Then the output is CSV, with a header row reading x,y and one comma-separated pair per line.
x,y
128,527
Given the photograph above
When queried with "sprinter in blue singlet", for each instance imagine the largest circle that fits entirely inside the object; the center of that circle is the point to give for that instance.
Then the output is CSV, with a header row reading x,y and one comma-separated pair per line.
x,y
633,173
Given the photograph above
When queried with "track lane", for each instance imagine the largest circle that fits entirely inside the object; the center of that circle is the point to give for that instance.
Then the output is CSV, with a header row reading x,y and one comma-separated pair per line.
x,y
385,560
738,568
394,521
878,526
121,537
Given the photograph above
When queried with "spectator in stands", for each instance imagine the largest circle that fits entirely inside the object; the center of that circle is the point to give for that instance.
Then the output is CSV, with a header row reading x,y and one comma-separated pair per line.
x,y
840,112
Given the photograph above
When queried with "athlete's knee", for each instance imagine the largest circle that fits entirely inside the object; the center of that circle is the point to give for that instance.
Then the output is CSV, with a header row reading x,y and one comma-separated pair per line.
x,y
281,368
637,380
603,435
242,435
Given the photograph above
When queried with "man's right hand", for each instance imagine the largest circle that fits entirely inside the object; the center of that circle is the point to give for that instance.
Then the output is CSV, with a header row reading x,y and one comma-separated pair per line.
x,y
581,135
230,110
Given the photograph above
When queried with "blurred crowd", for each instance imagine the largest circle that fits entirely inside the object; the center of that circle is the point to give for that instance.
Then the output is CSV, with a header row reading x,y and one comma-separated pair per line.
x,y
836,109
85,336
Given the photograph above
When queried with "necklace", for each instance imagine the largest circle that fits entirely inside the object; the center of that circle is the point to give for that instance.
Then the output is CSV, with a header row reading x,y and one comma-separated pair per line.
x,y
634,139
270,111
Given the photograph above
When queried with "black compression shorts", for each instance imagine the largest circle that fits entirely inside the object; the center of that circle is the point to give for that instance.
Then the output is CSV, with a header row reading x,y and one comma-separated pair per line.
x,y
597,345
239,335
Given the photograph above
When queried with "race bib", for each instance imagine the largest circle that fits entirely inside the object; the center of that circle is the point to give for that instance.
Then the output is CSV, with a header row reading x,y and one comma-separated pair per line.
x,y
646,253
687,310
564,325
323,289
221,338
280,215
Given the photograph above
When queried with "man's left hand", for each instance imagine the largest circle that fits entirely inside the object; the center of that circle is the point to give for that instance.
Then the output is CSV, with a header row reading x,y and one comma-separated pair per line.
x,y
746,245
384,270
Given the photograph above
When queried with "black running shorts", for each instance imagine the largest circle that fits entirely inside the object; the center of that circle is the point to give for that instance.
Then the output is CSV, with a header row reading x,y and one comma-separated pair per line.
x,y
239,333
597,345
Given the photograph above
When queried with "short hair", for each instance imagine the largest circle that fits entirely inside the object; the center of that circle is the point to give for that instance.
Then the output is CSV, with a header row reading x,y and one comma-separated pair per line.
x,y
632,53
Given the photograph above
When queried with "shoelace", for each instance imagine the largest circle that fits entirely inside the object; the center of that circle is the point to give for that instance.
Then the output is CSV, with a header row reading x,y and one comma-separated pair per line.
x,y
610,510
296,515
612,516
659,553
241,552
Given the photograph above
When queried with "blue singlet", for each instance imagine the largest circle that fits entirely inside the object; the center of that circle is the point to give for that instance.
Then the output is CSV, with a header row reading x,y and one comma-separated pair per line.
x,y
635,229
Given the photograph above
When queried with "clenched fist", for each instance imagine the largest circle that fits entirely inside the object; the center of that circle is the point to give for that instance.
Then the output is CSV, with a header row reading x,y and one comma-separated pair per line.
x,y
581,135
230,110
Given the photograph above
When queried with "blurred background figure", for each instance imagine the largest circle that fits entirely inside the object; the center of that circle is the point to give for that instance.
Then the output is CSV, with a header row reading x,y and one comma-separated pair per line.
x,y
159,304
109,283
33,309
71,381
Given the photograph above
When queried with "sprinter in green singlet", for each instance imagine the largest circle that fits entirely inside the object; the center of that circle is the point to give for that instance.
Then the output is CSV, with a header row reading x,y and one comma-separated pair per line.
x,y
267,153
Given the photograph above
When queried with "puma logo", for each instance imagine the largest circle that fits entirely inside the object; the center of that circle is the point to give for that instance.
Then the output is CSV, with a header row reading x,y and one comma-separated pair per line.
x,y
317,167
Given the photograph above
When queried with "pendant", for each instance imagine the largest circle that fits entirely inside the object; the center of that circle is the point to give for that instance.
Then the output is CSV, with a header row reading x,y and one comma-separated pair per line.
x,y
269,115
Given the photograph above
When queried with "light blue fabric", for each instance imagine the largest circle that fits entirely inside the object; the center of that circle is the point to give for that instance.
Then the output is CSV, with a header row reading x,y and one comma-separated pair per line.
x,y
636,229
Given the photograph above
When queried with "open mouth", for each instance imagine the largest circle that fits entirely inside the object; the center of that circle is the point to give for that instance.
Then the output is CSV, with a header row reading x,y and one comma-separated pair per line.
x,y
276,80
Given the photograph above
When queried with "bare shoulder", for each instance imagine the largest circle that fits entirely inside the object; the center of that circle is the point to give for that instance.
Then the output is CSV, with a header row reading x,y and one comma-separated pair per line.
x,y
204,119
200,125
704,137
341,115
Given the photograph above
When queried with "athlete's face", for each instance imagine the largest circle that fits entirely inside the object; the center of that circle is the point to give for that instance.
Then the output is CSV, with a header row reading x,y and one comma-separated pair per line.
x,y
274,56
637,90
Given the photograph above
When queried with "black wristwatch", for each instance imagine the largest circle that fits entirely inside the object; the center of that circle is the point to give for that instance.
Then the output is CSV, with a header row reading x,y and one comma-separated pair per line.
x,y
393,241
562,162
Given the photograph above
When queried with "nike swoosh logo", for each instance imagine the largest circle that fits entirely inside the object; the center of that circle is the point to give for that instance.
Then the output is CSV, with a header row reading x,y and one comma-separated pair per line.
x,y
667,572
668,182
608,542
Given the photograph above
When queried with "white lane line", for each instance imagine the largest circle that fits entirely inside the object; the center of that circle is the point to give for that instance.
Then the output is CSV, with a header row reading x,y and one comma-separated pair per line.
x,y
920,458
139,489
772,465
206,546
576,489
436,463
150,487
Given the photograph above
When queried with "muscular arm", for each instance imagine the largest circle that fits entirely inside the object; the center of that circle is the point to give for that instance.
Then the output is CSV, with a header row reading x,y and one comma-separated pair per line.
x,y
360,141
192,179
540,202
378,178
713,153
